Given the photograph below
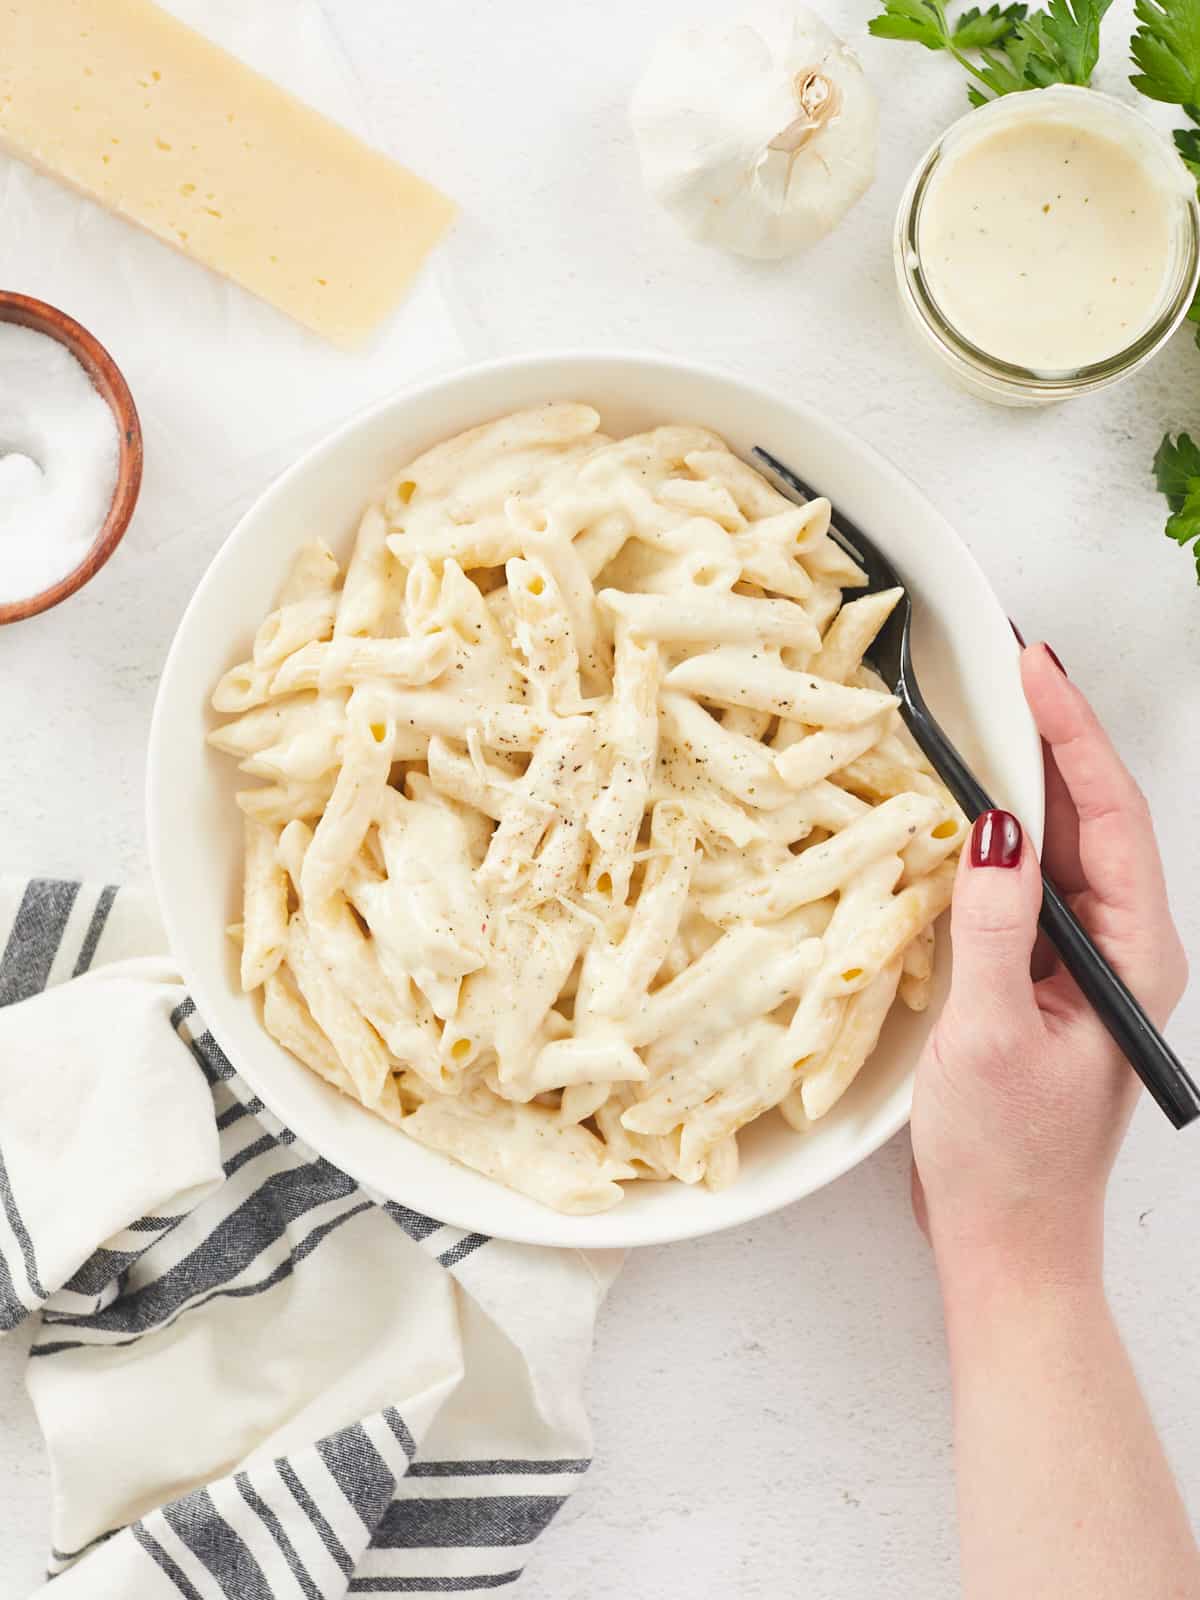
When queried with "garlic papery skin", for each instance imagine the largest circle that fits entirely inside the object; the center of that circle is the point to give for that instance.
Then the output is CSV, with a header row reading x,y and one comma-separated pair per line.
x,y
756,135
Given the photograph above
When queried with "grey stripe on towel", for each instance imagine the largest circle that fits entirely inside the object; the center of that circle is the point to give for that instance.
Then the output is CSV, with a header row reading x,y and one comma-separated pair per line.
x,y
20,1231
477,1522
359,1471
214,1542
490,1580
36,934
13,1309
276,1529
315,1515
157,1554
95,929
235,1292
229,1249
487,1469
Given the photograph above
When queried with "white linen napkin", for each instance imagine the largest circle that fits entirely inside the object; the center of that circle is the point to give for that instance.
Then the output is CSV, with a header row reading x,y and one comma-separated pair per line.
x,y
256,1380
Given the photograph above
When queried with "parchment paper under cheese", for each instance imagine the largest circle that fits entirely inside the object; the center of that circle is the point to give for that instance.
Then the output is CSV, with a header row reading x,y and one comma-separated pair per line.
x,y
119,99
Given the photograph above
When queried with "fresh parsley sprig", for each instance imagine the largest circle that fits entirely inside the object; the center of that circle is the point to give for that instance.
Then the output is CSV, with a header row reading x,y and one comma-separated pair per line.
x,y
1177,473
925,22
1166,46
1166,50
1016,49
1187,142
1066,41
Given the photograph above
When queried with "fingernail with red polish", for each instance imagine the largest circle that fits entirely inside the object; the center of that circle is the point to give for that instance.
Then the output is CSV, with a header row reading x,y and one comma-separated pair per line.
x,y
1019,635
1055,659
996,840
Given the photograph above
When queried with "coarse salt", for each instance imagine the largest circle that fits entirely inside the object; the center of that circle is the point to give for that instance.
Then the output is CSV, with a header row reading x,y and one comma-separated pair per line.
x,y
59,454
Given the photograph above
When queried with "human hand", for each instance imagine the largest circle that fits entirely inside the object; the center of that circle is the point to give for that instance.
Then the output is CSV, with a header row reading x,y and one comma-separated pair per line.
x,y
1021,1098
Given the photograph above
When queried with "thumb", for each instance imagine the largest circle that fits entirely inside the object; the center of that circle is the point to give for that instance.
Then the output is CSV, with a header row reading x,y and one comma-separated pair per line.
x,y
993,920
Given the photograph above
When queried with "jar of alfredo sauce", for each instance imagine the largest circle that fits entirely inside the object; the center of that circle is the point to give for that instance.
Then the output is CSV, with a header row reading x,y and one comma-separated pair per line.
x,y
1047,245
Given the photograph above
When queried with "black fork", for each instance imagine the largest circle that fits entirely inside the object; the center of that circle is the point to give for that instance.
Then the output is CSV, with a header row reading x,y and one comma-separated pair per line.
x,y
1139,1040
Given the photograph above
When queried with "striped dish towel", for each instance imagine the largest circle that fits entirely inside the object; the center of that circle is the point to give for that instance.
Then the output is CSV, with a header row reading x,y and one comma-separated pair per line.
x,y
256,1380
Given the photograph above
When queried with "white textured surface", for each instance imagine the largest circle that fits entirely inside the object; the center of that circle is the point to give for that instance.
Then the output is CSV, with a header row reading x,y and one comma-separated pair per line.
x,y
770,1405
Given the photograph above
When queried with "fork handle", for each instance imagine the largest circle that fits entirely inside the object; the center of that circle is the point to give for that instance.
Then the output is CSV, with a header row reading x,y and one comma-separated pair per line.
x,y
1147,1052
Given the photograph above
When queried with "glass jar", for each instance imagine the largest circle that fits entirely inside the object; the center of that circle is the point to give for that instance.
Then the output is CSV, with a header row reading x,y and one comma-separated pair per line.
x,y
1088,111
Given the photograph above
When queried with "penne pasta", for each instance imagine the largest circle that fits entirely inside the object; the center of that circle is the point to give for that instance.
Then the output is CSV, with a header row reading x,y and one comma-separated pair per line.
x,y
264,904
282,803
427,712
483,784
742,767
825,1084
708,619
745,677
356,799
749,972
851,633
585,833
615,815
562,556
290,1023
242,687
624,971
359,1048
295,740
307,605
372,586
382,998
344,662
824,868
475,825
752,494
545,637
886,934
916,969
746,721
525,1147
538,798
820,756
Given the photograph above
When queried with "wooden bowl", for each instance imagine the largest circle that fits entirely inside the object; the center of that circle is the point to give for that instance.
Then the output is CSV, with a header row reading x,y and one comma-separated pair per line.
x,y
106,377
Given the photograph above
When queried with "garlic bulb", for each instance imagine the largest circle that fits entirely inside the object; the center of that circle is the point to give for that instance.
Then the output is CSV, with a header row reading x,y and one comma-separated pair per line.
x,y
757,135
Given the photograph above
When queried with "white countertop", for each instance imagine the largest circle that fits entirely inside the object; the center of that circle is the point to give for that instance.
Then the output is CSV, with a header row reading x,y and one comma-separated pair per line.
x,y
770,1405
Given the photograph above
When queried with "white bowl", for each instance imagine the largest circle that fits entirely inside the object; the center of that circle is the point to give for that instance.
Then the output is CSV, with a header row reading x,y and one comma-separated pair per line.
x,y
966,658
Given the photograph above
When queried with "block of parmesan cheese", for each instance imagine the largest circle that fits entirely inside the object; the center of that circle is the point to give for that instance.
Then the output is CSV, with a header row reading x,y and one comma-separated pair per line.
x,y
145,115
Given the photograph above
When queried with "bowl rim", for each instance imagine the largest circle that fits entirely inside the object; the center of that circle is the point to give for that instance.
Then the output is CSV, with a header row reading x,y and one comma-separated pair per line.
x,y
553,1228
109,381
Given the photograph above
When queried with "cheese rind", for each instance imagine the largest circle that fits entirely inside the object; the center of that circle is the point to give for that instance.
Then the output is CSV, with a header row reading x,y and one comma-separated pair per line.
x,y
148,117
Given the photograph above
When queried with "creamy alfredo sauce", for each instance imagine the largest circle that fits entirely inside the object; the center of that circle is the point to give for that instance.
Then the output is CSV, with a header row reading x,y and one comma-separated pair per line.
x,y
1046,244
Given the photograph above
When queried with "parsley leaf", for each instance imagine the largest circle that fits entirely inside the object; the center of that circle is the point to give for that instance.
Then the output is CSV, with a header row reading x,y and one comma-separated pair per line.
x,y
1069,40
920,21
924,22
1166,47
1176,468
1177,474
975,29
1004,74
1184,525
1058,45
1187,142
1017,49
